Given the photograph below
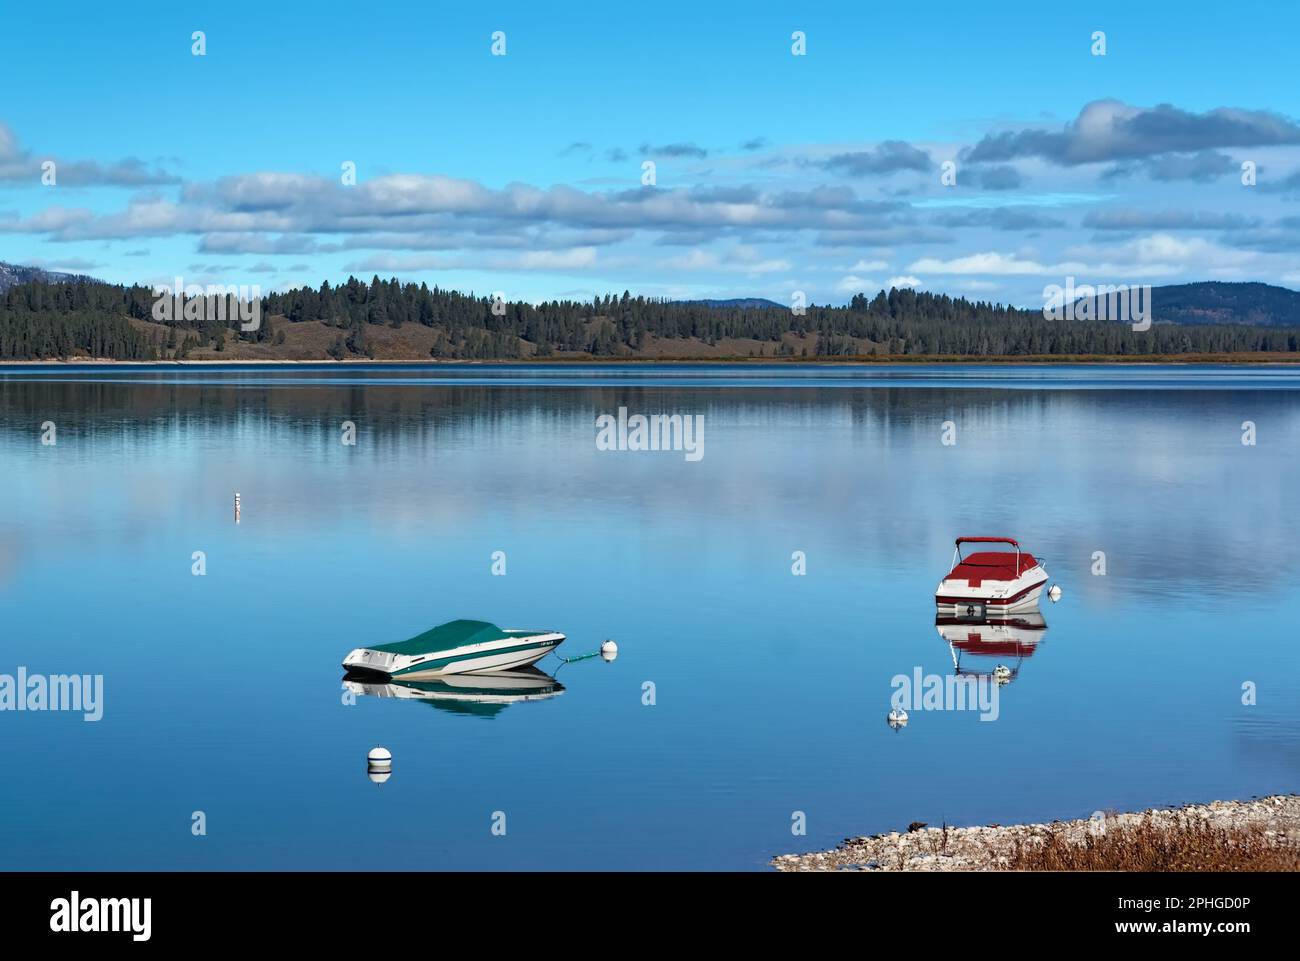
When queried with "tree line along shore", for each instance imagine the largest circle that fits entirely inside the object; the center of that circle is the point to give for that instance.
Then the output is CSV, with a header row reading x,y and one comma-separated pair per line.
x,y
389,320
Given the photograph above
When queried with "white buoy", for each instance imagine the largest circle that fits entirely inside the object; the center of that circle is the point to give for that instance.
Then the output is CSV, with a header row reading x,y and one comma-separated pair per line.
x,y
1002,674
897,718
379,764
1054,592
608,650
236,507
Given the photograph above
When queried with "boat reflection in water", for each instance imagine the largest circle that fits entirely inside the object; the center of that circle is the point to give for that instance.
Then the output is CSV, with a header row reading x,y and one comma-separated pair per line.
x,y
482,695
991,648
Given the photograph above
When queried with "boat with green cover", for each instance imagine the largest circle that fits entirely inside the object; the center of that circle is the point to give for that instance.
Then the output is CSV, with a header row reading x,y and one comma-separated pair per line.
x,y
457,647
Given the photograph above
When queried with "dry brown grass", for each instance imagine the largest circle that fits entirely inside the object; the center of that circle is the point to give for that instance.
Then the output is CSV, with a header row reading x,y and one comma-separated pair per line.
x,y
1188,844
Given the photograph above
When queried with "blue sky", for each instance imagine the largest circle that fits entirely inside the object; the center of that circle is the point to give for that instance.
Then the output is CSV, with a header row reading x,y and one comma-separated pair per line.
x,y
774,172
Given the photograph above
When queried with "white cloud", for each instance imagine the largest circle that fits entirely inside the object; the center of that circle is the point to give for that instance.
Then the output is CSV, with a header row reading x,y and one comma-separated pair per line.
x,y
991,263
853,284
559,260
741,259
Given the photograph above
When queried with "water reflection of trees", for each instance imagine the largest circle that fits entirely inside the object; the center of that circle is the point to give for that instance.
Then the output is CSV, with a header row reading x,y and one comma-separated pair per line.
x,y
396,410
1157,480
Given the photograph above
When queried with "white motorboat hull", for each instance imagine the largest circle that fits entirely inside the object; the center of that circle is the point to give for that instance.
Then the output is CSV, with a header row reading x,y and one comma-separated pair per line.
x,y
502,654
991,598
476,663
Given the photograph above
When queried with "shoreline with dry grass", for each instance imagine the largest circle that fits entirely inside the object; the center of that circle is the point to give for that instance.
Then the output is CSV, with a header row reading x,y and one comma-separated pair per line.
x,y
1262,834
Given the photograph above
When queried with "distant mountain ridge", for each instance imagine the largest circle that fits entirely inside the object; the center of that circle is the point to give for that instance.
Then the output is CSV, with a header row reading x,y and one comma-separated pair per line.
x,y
1219,302
1214,302
11,275
743,303
1209,302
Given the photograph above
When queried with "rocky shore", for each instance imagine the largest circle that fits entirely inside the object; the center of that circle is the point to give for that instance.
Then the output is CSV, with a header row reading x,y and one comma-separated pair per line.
x,y
1261,834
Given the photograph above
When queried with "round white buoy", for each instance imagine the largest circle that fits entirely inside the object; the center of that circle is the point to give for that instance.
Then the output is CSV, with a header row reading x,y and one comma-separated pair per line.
x,y
1054,592
379,764
897,718
1002,674
608,650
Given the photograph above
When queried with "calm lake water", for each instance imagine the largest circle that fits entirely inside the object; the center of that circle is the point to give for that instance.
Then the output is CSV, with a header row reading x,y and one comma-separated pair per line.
x,y
223,693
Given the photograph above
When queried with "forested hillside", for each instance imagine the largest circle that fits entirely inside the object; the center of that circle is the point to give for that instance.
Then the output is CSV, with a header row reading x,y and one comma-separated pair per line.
x,y
11,275
388,319
1217,302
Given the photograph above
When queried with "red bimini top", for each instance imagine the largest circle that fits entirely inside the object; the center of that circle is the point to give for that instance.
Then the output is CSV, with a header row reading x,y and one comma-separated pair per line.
x,y
990,566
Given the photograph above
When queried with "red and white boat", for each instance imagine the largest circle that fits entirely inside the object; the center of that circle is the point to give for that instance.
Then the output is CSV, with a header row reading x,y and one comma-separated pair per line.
x,y
990,583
